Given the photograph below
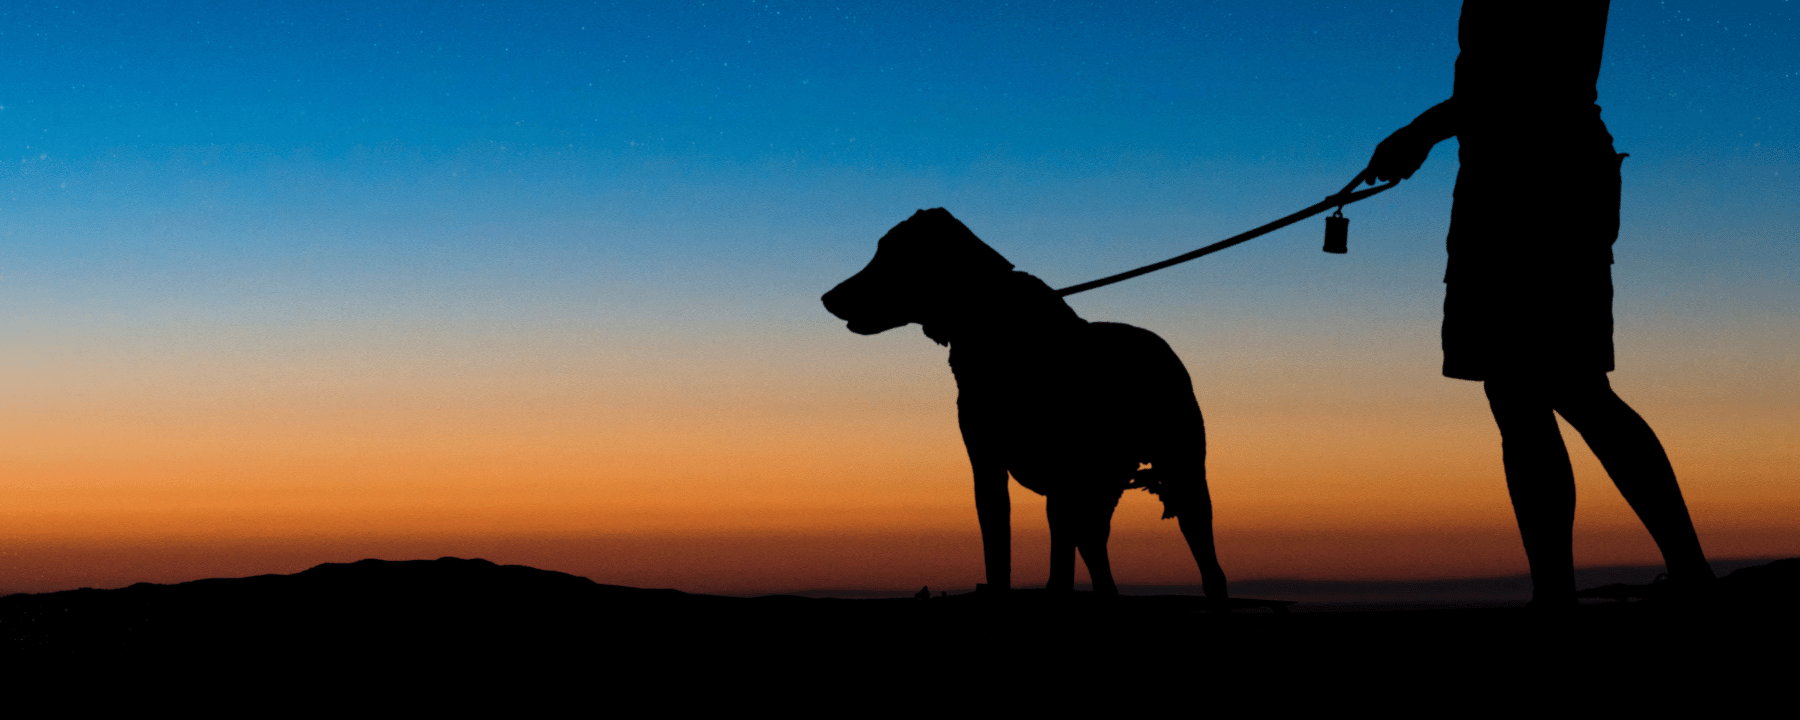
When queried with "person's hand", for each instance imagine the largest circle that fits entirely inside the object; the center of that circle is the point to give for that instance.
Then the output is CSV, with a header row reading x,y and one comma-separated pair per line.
x,y
1397,157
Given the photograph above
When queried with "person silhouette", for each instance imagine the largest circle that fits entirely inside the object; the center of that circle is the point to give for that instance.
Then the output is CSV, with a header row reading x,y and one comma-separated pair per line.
x,y
1528,289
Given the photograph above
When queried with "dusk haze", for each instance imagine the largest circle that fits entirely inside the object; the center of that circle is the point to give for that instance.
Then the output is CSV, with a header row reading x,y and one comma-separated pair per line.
x,y
539,283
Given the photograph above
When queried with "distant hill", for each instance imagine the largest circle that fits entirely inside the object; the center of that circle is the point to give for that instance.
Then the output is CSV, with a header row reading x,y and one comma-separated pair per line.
x,y
451,606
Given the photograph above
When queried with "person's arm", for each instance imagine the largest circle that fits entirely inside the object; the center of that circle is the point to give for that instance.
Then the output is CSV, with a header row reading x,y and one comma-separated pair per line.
x,y
1401,154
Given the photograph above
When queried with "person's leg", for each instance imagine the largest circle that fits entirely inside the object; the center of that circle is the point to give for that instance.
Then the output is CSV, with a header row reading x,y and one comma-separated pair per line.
x,y
1634,458
1541,483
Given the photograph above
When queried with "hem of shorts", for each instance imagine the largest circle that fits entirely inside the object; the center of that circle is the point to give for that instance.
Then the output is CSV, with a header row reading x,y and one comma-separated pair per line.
x,y
1472,376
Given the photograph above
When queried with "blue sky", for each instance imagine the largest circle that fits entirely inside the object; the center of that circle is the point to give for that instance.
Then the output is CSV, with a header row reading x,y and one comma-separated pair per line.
x,y
429,118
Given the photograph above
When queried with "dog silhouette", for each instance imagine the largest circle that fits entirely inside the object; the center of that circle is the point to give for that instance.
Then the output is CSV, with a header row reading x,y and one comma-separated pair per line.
x,y
1076,411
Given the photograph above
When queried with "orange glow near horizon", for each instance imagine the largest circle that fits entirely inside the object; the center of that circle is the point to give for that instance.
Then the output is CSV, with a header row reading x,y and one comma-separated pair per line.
x,y
749,517
769,498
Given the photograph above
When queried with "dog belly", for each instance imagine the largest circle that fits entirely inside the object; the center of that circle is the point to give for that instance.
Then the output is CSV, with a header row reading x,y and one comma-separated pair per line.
x,y
1047,467
1082,413
1094,439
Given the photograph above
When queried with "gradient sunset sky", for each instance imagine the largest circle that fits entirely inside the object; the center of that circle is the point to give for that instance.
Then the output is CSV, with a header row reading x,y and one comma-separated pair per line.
x,y
539,282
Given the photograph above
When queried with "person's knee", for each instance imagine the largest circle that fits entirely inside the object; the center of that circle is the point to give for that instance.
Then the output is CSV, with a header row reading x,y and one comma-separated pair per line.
x,y
1518,402
1563,393
1583,398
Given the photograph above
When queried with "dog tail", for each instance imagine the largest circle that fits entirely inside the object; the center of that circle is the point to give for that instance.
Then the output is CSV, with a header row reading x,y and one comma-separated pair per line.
x,y
1168,486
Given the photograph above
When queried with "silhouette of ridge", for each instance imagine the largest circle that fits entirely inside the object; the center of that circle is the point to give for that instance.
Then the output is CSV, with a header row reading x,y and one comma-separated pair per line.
x,y
1777,582
416,602
451,607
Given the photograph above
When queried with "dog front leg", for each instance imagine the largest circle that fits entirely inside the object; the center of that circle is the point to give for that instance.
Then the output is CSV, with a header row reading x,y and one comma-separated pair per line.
x,y
993,508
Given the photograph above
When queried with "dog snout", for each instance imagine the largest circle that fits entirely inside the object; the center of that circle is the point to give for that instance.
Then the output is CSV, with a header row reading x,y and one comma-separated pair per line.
x,y
861,306
834,300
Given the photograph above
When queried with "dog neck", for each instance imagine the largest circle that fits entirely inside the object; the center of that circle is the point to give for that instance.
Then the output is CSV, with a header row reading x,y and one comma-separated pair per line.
x,y
1014,310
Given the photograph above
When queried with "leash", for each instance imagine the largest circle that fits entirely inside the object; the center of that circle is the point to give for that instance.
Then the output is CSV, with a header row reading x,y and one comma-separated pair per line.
x,y
1336,228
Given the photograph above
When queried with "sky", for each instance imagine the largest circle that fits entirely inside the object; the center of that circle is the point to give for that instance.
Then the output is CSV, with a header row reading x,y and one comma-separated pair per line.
x,y
539,282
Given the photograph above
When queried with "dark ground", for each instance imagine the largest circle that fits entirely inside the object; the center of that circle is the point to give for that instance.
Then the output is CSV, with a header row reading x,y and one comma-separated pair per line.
x,y
452,611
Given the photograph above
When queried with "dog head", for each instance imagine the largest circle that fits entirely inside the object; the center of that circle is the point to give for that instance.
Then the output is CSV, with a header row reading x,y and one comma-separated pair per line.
x,y
922,269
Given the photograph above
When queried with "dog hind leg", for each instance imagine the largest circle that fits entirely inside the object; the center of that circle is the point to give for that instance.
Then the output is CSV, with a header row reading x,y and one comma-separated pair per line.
x,y
1195,517
1064,529
1093,554
1082,522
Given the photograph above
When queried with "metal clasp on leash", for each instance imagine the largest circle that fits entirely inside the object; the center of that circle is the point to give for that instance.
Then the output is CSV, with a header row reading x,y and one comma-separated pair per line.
x,y
1337,232
1337,227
